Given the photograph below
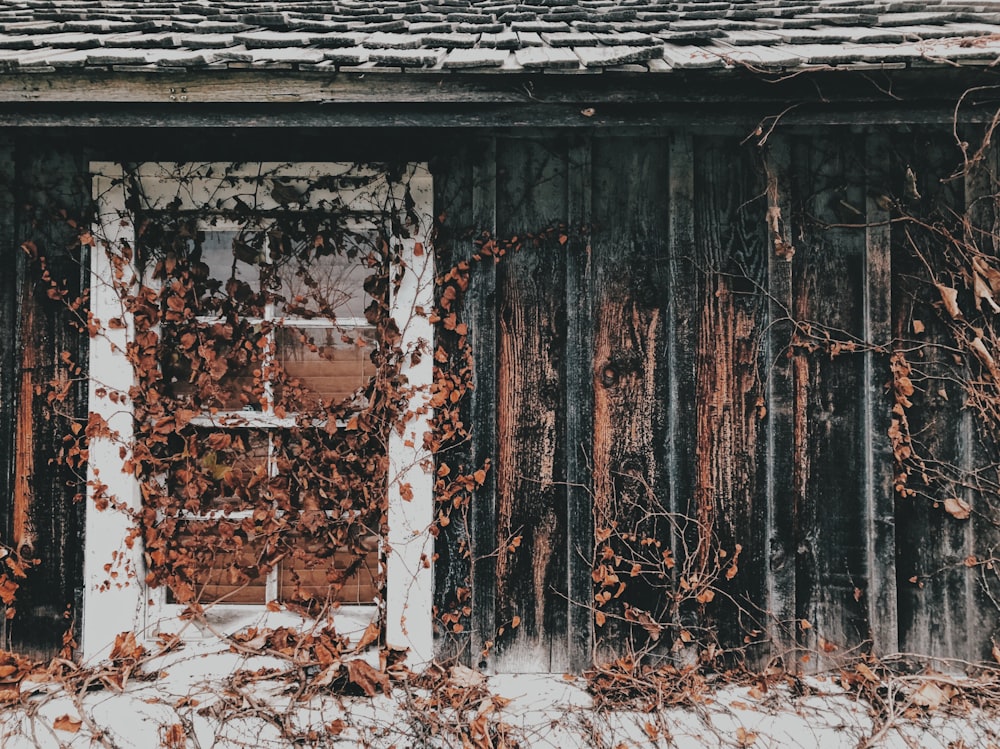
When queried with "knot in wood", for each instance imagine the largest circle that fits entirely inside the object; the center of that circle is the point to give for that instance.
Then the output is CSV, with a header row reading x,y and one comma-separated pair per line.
x,y
609,375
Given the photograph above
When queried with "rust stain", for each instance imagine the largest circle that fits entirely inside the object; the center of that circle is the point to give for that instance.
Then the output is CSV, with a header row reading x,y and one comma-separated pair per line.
x,y
526,429
540,558
727,385
626,342
24,459
800,434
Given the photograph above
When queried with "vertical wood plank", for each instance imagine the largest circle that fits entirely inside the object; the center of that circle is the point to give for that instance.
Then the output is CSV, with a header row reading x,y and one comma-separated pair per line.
x,y
681,344
931,544
453,193
828,288
629,369
531,490
728,386
9,284
782,473
49,520
880,548
578,407
481,303
981,536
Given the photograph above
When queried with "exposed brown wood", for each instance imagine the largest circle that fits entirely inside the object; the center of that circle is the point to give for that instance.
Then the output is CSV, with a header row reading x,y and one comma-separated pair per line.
x,y
531,492
631,284
9,295
729,392
48,518
23,534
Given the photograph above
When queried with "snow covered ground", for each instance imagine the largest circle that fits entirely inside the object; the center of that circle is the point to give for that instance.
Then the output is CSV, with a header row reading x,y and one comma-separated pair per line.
x,y
205,697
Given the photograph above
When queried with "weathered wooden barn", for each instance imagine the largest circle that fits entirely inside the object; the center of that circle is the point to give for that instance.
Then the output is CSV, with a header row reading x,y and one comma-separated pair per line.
x,y
729,308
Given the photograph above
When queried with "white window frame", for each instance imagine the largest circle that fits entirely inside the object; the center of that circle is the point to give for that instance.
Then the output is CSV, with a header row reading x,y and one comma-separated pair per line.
x,y
116,598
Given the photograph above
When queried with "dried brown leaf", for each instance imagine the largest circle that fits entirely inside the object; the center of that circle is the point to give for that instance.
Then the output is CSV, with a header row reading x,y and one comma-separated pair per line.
x,y
68,724
369,636
949,297
369,679
983,293
932,696
958,508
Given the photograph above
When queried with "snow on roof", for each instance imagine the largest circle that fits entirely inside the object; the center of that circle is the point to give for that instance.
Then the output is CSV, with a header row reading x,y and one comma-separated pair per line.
x,y
482,35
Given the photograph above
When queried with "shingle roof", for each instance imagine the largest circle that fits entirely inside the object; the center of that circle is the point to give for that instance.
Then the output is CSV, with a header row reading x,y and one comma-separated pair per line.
x,y
493,35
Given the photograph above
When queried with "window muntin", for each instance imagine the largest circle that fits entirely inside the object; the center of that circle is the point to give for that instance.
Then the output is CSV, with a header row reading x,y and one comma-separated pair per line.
x,y
307,336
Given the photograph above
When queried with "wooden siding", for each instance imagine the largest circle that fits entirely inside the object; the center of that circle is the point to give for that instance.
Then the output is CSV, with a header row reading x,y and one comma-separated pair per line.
x,y
645,370
678,358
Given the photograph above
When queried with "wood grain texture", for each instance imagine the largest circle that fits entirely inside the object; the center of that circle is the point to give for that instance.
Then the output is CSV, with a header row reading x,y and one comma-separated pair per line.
x,y
531,343
579,403
453,199
982,211
729,386
828,285
481,303
931,545
49,521
878,470
783,453
9,282
631,287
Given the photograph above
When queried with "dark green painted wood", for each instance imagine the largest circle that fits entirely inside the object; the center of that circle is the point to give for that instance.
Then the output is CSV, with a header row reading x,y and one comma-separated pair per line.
x,y
53,178
578,405
782,480
453,552
934,586
878,471
481,303
828,284
9,282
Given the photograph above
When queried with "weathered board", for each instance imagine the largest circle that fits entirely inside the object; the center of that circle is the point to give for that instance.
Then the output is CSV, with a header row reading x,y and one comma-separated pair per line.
x,y
45,516
652,361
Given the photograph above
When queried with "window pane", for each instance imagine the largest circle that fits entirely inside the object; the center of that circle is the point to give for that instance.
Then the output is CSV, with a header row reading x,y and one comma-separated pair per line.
x,y
220,471
326,279
312,575
214,365
322,365
203,573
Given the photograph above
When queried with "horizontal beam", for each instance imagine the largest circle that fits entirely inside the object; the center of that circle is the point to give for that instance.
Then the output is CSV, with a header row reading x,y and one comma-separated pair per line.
x,y
183,88
707,118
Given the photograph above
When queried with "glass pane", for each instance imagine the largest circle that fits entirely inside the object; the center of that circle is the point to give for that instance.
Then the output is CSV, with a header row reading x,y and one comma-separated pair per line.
x,y
311,271
322,365
314,575
232,253
220,471
214,365
326,279
203,573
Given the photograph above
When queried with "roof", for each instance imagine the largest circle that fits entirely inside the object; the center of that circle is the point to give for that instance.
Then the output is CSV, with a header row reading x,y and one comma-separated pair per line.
x,y
568,36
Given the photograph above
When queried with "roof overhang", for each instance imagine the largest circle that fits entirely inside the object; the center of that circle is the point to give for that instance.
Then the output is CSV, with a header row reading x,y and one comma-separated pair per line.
x,y
877,95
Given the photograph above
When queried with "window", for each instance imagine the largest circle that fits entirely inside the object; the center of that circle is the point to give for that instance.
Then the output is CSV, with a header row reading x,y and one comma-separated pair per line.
x,y
248,461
